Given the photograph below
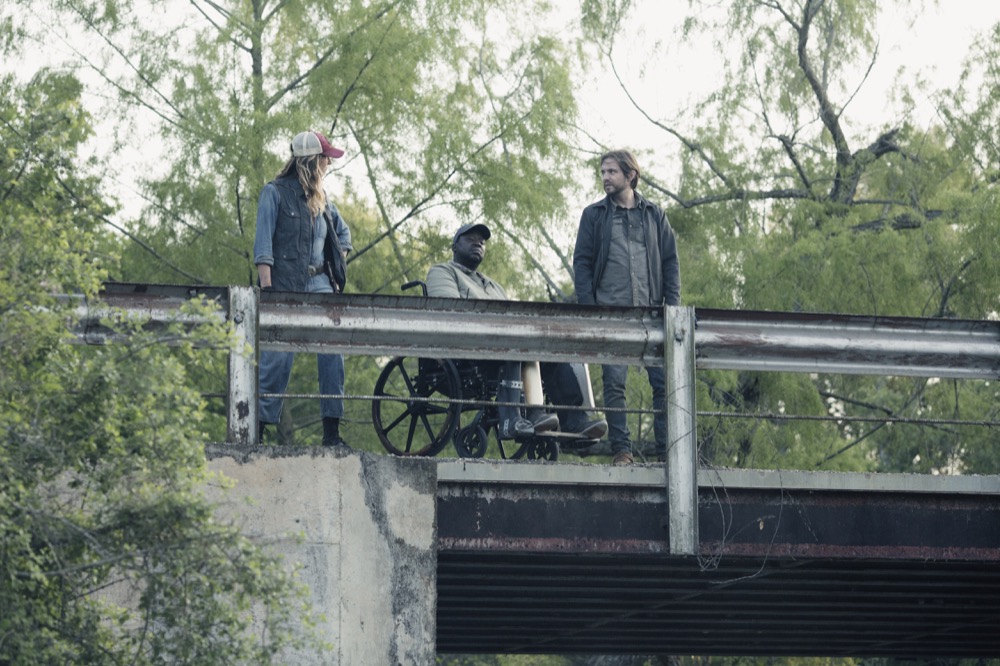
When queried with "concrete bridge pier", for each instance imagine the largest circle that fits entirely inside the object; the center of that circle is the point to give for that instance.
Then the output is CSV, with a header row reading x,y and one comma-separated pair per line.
x,y
363,530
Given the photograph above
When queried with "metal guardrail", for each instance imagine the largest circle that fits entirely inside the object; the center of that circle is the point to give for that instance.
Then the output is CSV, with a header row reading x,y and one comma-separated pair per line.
x,y
433,327
726,339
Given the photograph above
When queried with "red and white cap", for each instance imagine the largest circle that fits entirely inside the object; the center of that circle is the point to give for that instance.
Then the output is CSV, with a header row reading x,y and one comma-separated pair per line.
x,y
306,144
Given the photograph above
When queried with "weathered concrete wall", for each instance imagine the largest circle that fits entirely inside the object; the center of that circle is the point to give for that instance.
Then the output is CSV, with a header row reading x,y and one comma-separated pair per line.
x,y
364,531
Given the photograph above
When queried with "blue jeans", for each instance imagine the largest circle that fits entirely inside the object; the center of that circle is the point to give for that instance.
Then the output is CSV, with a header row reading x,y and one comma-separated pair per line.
x,y
276,368
614,396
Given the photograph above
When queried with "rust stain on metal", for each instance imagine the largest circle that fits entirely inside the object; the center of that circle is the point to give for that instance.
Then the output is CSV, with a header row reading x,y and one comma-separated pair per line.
x,y
553,545
826,551
336,313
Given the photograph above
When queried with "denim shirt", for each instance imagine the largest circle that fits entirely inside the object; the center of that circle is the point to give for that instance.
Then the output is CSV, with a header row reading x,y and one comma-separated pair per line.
x,y
289,238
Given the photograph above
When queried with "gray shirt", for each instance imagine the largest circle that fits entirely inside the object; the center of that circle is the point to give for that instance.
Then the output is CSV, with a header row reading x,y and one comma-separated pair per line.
x,y
625,280
453,280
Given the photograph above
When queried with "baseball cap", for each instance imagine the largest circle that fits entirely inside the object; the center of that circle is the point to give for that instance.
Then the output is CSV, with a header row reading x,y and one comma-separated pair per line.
x,y
466,228
306,144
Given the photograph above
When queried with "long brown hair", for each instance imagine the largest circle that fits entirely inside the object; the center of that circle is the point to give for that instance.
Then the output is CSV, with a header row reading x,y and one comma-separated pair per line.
x,y
626,162
311,178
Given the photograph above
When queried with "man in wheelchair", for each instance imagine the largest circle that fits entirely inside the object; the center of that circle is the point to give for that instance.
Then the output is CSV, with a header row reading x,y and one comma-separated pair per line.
x,y
564,383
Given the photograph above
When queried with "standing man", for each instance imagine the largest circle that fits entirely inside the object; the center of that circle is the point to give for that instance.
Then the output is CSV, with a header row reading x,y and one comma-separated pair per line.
x,y
459,278
301,245
626,254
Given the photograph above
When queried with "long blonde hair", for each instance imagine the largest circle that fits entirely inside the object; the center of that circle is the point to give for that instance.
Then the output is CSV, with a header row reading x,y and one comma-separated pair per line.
x,y
311,178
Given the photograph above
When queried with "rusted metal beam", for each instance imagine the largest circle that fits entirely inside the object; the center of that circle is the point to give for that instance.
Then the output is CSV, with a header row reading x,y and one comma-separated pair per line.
x,y
587,509
847,344
154,306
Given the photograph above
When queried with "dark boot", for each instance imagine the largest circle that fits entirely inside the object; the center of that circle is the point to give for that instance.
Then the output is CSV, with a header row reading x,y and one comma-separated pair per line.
x,y
512,424
331,432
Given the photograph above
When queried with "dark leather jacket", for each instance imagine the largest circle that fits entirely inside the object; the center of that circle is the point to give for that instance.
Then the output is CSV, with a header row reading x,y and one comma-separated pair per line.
x,y
593,241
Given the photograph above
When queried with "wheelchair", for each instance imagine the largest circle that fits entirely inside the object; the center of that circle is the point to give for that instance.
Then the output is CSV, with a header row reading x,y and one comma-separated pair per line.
x,y
423,404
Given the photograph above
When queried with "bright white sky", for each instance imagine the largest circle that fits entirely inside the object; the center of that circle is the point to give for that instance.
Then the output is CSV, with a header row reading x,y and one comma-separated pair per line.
x,y
932,43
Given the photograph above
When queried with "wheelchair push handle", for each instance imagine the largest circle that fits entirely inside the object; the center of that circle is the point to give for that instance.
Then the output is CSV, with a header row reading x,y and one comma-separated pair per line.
x,y
414,283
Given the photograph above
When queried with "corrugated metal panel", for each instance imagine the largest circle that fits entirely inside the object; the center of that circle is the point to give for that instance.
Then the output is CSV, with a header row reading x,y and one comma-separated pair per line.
x,y
820,564
535,603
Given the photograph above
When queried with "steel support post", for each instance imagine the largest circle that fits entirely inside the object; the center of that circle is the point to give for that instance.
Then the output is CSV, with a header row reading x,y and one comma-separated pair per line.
x,y
241,406
682,441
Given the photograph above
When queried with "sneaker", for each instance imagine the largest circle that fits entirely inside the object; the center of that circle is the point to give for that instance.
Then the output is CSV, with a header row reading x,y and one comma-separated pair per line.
x,y
335,442
542,421
622,458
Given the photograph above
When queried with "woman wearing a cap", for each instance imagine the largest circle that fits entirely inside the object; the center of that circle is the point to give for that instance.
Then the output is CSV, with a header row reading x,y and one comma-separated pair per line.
x,y
300,245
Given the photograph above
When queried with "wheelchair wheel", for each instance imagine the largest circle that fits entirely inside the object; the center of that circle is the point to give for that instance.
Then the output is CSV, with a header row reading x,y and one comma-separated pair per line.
x,y
533,448
543,449
416,427
471,441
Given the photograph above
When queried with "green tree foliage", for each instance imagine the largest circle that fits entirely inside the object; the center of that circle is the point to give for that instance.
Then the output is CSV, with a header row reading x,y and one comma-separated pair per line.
x,y
443,116
786,198
109,552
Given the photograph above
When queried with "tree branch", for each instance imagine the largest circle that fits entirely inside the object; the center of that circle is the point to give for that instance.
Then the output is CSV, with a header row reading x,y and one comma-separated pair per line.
x,y
734,195
689,144
322,58
128,62
919,391
788,143
436,189
132,236
828,115
227,15
946,288
528,252
900,222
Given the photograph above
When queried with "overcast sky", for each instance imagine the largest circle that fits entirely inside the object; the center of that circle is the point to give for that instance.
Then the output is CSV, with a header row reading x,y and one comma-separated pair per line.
x,y
932,43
